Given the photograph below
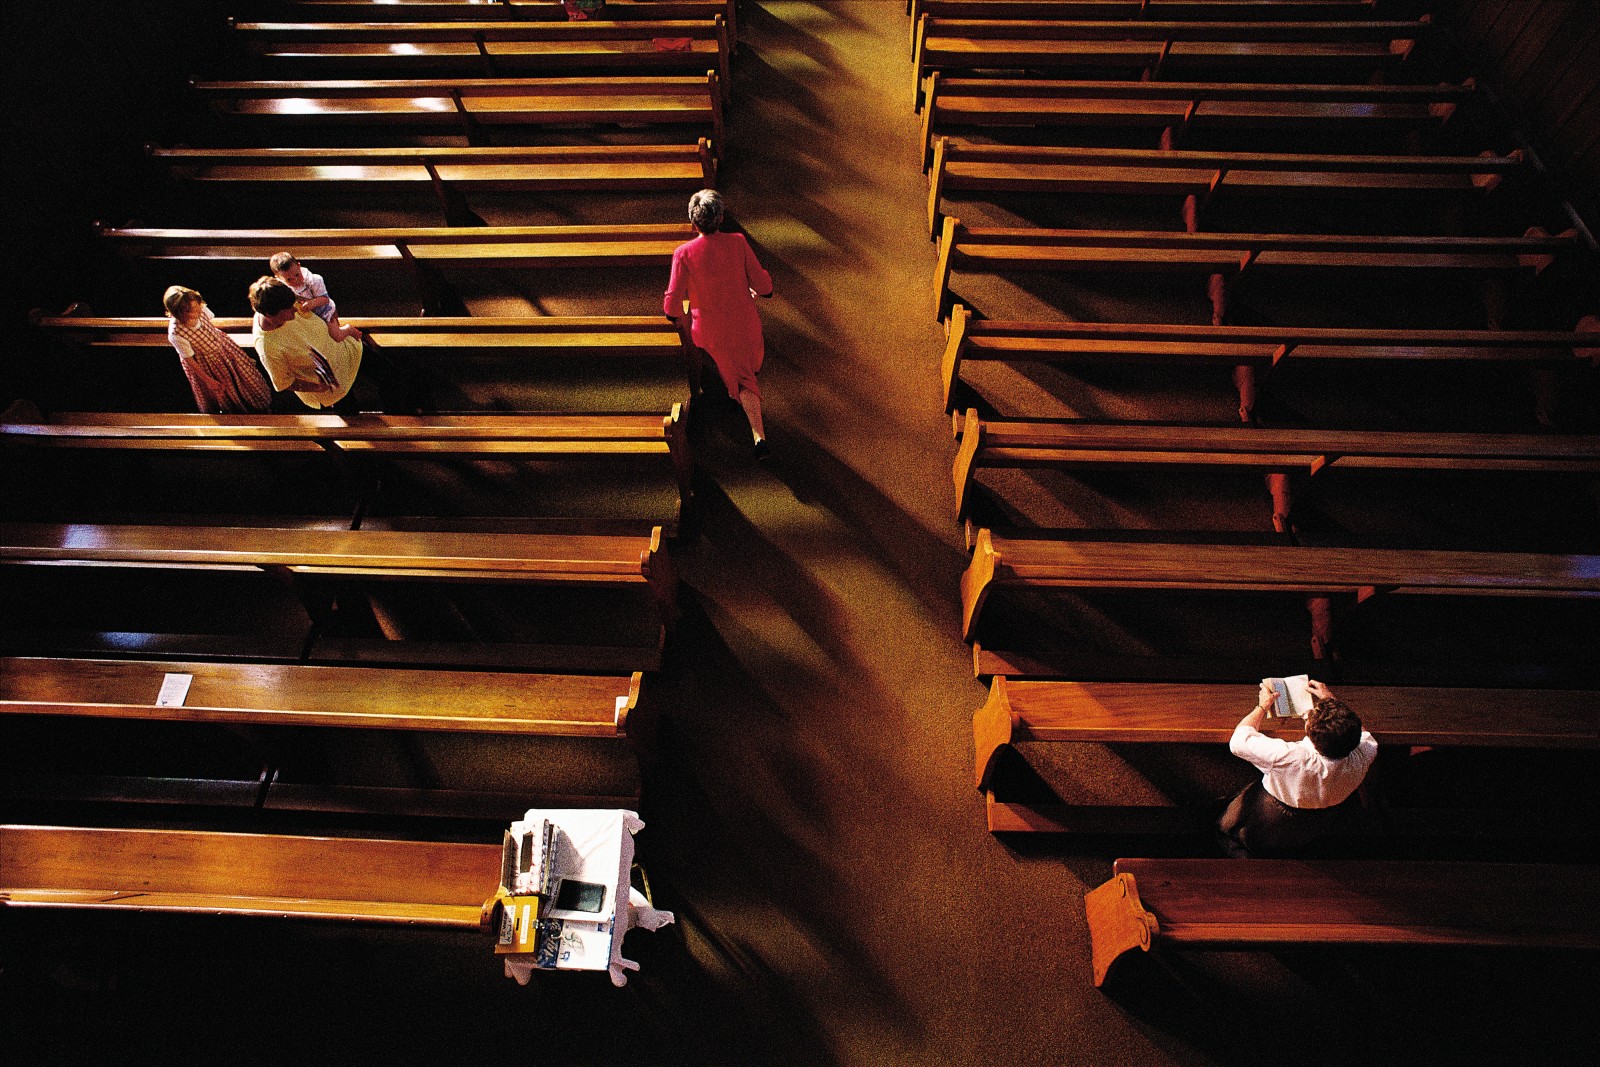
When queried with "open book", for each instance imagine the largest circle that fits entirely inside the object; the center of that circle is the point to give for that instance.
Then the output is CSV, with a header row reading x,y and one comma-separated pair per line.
x,y
1293,696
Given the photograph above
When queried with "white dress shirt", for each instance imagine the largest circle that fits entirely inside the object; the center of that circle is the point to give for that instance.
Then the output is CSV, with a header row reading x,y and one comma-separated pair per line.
x,y
1297,773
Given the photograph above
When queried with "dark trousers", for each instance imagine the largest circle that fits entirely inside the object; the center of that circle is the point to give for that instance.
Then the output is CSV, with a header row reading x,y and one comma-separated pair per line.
x,y
1256,823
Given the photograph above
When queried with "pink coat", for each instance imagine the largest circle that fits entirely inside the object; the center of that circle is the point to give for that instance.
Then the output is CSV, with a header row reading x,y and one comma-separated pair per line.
x,y
715,272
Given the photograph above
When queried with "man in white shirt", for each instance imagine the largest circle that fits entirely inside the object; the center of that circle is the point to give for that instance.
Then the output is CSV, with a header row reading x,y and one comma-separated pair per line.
x,y
1303,785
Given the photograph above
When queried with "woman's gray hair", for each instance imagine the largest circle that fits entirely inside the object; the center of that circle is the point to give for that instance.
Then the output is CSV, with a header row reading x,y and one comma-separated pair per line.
x,y
705,210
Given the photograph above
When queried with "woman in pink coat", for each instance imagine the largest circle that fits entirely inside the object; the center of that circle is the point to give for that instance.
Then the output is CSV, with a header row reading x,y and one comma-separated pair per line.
x,y
718,275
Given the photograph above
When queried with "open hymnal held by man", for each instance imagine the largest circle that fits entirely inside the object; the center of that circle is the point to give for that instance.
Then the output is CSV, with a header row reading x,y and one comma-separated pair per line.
x,y
1291,697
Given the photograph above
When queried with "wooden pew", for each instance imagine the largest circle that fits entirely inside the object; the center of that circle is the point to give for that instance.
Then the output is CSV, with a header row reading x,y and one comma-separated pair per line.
x,y
423,249
475,106
959,167
572,560
1159,10
1077,445
531,10
1348,50
580,725
1236,905
620,245
1357,573
1230,255
449,172
415,883
550,436
685,46
260,694
1190,713
1180,107
1262,347
556,337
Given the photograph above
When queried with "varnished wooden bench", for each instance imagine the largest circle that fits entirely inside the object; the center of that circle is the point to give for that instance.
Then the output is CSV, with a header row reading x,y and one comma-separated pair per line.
x,y
547,705
546,436
1351,50
620,245
959,167
1230,255
956,102
1077,445
1257,904
579,724
1275,10
1191,713
474,106
414,883
1357,573
532,10
423,249
1262,347
449,172
686,46
573,560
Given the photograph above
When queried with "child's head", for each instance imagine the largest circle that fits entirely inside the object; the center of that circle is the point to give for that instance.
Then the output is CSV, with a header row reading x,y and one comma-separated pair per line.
x,y
285,266
270,297
182,303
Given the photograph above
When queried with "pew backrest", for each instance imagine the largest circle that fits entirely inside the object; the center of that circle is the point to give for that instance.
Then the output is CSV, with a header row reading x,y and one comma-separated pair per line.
x,y
469,103
420,883
969,338
1259,903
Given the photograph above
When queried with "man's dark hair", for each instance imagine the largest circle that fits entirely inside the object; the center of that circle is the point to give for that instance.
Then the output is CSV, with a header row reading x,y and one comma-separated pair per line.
x,y
1334,729
269,296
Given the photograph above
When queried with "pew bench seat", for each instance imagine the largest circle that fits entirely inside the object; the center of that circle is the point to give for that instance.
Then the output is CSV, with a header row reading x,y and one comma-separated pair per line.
x,y
547,436
471,105
959,167
688,46
989,103
516,558
450,172
1076,445
1066,343
1197,713
262,694
1358,573
413,883
1255,904
1231,255
1348,49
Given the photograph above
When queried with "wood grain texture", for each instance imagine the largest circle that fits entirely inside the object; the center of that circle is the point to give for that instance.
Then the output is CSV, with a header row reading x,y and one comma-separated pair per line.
x,y
417,882
553,705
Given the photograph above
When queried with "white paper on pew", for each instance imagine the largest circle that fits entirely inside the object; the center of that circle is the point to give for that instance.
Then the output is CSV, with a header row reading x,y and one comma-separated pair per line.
x,y
174,690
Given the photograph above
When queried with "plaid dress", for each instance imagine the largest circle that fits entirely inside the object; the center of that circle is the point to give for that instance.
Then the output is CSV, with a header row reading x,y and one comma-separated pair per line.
x,y
224,380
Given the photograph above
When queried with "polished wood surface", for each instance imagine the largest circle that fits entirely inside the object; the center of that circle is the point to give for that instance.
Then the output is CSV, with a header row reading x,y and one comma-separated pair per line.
x,y
624,244
604,168
955,101
1234,904
970,338
479,556
1358,572
961,167
1076,445
1338,47
274,875
551,705
1230,254
1198,713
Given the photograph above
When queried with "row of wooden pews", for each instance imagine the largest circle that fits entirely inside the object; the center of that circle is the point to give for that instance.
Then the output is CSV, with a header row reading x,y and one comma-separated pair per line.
x,y
1227,111
383,638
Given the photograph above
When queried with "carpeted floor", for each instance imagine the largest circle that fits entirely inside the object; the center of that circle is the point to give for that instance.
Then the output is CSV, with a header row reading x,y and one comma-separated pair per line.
x,y
809,803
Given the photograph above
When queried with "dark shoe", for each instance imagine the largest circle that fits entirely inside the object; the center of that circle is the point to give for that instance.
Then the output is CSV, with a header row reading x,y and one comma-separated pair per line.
x,y
762,451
